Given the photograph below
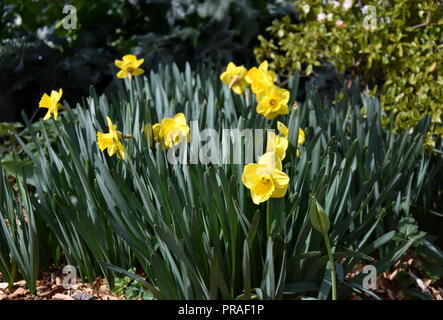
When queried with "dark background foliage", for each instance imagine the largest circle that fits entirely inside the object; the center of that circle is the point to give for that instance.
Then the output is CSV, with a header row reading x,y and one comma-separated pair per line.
x,y
37,54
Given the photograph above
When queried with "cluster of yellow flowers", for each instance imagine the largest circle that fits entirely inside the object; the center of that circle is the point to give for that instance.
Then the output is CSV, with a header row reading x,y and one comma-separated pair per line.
x,y
265,179
272,100
112,141
168,132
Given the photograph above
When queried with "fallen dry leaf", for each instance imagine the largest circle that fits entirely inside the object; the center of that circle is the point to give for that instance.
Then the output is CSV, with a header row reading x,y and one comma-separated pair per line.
x,y
19,292
60,296
58,281
21,283
393,275
46,293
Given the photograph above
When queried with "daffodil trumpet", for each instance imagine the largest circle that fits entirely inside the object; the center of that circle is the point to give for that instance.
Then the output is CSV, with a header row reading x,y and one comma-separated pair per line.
x,y
112,141
52,104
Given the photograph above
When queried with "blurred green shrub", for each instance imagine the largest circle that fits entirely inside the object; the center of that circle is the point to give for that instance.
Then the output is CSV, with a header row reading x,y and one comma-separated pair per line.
x,y
399,58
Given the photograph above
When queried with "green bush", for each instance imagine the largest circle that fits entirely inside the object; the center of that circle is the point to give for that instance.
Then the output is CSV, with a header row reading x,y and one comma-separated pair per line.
x,y
193,229
399,59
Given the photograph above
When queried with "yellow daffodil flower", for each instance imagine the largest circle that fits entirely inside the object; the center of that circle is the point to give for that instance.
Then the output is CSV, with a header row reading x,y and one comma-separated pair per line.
x,y
111,141
272,102
301,136
260,78
52,104
301,140
278,144
234,77
282,129
129,66
265,179
171,131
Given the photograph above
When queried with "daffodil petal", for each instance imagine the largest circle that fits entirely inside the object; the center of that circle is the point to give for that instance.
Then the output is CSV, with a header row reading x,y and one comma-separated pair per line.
x,y
129,58
119,64
251,172
138,63
179,119
258,198
56,96
301,136
120,150
137,72
104,140
263,66
122,74
45,101
282,129
271,160
47,116
281,182
156,130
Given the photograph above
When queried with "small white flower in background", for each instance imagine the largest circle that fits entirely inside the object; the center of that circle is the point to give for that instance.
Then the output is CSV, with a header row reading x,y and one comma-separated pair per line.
x,y
321,17
336,4
347,4
340,23
306,8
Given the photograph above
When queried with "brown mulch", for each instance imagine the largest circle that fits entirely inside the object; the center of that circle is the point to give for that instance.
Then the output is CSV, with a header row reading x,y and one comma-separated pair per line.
x,y
51,288
388,285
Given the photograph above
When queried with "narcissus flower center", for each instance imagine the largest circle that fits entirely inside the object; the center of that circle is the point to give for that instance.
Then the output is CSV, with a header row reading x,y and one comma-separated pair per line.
x,y
265,179
273,102
264,185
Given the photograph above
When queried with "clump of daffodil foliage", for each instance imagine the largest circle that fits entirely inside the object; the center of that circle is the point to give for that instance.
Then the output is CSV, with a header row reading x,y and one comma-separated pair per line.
x,y
394,46
316,202
265,179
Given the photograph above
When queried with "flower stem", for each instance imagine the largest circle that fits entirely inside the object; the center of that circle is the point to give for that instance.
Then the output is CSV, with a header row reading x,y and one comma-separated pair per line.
x,y
247,94
268,218
331,266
